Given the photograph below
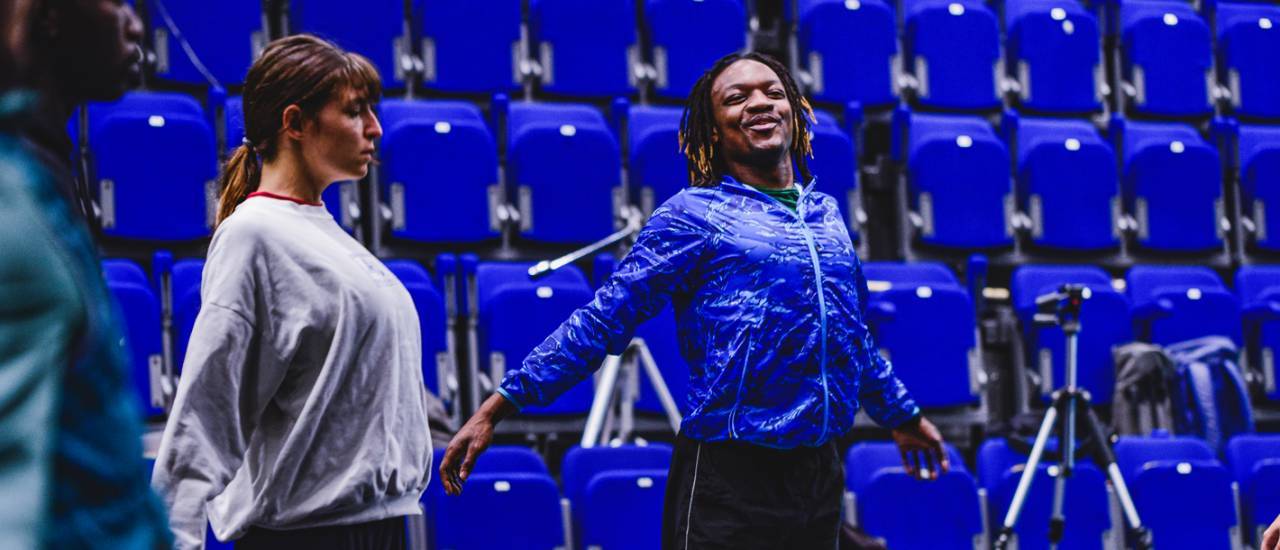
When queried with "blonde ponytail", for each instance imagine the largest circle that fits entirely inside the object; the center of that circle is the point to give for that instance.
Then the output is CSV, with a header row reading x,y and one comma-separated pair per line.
x,y
240,177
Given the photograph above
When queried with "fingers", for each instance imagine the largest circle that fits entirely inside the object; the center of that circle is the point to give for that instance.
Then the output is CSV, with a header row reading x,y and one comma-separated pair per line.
x,y
469,462
944,462
908,461
1271,538
449,468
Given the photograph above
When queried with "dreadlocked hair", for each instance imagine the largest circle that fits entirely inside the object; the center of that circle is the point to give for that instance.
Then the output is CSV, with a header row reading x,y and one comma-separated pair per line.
x,y
698,123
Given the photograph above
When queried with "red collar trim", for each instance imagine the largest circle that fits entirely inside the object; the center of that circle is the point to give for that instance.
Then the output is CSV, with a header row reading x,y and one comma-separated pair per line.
x,y
283,198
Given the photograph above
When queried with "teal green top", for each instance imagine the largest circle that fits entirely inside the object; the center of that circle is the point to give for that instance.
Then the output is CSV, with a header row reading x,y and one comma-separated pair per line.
x,y
71,470
787,197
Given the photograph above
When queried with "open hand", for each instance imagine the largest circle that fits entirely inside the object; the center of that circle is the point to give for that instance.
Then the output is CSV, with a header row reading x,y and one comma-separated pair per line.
x,y
923,454
470,441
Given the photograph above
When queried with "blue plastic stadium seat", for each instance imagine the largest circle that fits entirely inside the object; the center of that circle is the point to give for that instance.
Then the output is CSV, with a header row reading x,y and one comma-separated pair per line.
x,y
586,47
1104,317
225,37
528,504
431,319
155,165
848,48
233,122
1066,178
953,49
566,160
616,494
908,300
623,509
1085,507
1166,475
1055,53
376,31
1258,289
958,172
435,148
688,38
1259,166
1171,180
140,310
659,169
470,46
1168,57
1255,465
659,334
907,512
185,286
516,314
1248,37
835,166
1174,304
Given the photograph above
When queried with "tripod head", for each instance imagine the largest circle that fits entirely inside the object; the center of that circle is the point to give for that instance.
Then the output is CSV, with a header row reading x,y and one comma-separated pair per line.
x,y
1062,307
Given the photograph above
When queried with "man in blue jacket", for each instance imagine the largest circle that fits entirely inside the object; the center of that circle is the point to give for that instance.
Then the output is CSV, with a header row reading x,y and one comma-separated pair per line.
x,y
770,304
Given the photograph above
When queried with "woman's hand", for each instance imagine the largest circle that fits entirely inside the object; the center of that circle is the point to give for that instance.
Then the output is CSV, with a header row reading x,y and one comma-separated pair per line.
x,y
470,441
923,454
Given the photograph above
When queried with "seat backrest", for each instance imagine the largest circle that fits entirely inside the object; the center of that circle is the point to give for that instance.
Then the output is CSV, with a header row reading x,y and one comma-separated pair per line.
x,y
1000,469
1168,54
566,159
155,165
225,37
953,47
1199,304
528,504
375,31
429,303
434,147
623,509
688,38
1257,284
1067,182
1172,182
516,314
140,310
185,285
1055,48
470,46
834,165
841,73
959,181
1246,34
581,465
658,168
584,45
907,512
1133,452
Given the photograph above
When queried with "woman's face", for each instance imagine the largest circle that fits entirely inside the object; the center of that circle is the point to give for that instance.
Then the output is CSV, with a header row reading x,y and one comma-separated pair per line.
x,y
338,144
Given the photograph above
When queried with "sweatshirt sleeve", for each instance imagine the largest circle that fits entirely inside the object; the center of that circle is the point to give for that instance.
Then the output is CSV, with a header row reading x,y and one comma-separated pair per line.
x,y
665,251
227,380
36,307
886,399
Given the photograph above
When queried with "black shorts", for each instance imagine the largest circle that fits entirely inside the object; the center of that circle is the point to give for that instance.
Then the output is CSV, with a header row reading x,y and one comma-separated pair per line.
x,y
730,494
387,534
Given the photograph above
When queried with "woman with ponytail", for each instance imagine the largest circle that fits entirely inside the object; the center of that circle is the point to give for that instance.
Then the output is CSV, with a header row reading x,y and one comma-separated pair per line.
x,y
300,419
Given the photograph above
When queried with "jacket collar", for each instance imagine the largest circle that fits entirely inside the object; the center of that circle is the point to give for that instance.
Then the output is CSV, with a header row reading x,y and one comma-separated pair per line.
x,y
730,183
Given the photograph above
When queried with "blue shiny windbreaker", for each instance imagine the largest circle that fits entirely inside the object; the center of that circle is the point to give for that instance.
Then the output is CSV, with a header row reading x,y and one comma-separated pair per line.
x,y
773,360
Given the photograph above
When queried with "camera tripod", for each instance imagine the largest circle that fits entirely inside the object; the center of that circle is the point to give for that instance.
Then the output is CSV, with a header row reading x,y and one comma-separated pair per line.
x,y
1063,308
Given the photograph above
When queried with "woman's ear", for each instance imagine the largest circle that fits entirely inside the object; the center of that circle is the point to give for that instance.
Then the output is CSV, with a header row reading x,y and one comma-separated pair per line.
x,y
291,122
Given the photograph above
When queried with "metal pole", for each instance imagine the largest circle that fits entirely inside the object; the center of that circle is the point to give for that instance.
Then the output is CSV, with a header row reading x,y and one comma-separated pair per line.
x,y
600,403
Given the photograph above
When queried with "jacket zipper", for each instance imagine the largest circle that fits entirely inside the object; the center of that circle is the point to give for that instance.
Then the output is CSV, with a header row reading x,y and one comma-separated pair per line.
x,y
822,319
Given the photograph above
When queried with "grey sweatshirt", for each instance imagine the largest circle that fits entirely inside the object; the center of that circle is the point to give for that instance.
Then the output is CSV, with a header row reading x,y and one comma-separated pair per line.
x,y
301,401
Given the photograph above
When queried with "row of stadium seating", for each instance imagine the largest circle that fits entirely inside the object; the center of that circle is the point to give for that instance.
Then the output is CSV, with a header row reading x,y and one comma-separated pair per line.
x,y
614,497
954,54
1057,184
481,318
583,48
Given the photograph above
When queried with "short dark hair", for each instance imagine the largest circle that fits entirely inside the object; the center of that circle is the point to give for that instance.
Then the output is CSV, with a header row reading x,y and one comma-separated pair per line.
x,y
698,124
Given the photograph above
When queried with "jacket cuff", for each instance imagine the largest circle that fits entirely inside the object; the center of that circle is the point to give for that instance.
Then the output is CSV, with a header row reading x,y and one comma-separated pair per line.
x,y
519,407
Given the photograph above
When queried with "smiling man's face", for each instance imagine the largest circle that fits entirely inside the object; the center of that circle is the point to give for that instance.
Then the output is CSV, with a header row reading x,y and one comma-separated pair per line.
x,y
753,114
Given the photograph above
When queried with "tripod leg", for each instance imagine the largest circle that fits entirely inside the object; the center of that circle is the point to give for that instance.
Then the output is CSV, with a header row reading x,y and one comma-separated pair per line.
x,y
659,385
1028,474
600,403
1057,522
1107,459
